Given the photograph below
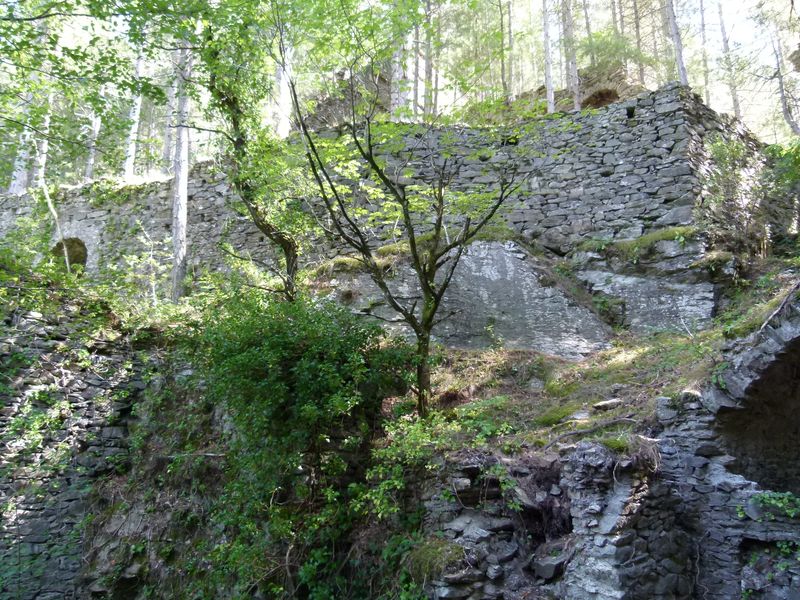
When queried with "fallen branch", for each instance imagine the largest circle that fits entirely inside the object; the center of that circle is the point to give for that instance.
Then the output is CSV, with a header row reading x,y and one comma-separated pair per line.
x,y
781,306
589,430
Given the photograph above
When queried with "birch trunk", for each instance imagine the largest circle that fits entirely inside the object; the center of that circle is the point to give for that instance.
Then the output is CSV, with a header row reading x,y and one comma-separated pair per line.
x,y
677,43
168,152
437,56
133,132
416,71
180,182
19,176
614,16
398,96
283,103
95,123
548,61
730,72
509,8
43,147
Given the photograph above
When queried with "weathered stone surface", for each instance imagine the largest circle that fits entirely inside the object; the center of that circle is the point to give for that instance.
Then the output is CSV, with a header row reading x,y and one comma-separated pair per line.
x,y
654,303
498,296
44,494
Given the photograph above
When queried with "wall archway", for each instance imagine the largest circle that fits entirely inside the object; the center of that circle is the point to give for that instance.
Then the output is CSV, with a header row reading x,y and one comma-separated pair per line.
x,y
75,250
763,435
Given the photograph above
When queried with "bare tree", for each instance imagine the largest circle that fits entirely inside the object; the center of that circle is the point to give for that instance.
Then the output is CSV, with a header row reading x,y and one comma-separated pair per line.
x,y
133,131
570,56
180,167
730,69
704,42
434,253
592,56
677,43
785,106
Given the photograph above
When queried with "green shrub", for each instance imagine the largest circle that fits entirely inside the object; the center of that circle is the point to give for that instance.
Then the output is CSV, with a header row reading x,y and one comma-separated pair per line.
x,y
303,385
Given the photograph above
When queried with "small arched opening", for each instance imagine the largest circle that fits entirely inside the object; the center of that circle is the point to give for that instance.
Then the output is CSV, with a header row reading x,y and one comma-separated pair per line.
x,y
601,98
75,251
763,436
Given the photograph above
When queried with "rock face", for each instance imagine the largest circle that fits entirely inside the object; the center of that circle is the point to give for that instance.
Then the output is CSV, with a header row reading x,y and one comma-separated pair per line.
x,y
499,295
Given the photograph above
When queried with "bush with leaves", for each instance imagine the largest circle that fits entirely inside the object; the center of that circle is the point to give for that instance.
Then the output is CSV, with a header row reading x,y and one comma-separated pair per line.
x,y
303,384
750,195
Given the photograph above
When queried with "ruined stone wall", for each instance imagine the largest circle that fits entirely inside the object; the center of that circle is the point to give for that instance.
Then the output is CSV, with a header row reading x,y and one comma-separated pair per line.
x,y
65,399
612,173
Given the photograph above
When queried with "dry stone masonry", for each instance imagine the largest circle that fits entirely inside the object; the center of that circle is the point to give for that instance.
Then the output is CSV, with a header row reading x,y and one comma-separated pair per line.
x,y
65,400
609,174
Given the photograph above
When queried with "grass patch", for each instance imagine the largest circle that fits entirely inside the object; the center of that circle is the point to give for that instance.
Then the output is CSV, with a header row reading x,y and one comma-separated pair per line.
x,y
619,444
554,415
428,560
633,250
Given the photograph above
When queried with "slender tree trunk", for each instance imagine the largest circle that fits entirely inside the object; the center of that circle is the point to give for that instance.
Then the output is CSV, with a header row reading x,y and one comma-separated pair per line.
x,y
677,43
730,70
658,23
573,83
133,133
437,54
423,372
511,70
428,98
592,56
416,70
399,94
503,78
283,103
638,30
614,16
95,124
168,151
621,11
181,180
704,42
19,176
548,61
785,106
43,148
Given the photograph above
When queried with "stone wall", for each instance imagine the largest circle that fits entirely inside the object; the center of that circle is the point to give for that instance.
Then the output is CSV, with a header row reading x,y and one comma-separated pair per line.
x,y
695,528
612,173
65,399
615,173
